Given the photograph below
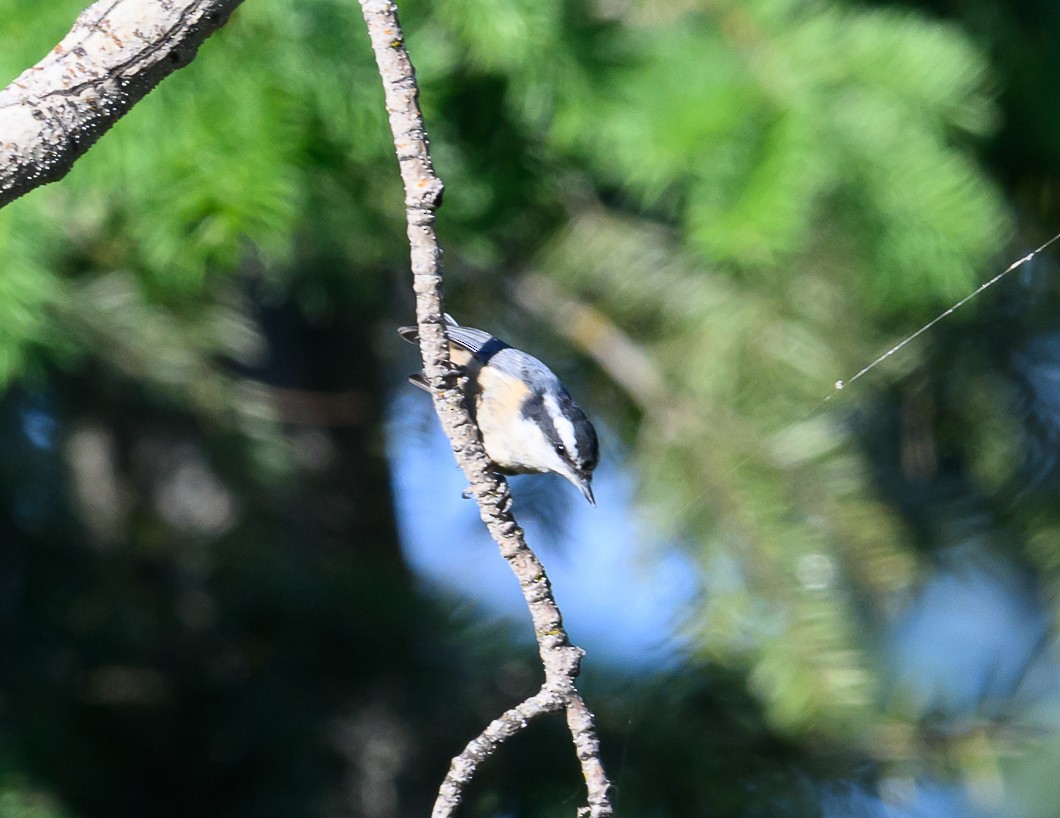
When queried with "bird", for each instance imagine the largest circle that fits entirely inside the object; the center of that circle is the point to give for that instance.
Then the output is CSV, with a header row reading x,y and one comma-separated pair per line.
x,y
528,420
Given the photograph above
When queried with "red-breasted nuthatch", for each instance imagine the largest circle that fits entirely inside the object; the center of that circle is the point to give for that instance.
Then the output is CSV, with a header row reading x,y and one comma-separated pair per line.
x,y
528,420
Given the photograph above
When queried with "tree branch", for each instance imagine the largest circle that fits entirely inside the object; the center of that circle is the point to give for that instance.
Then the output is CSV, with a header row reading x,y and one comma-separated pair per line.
x,y
561,659
117,51
463,767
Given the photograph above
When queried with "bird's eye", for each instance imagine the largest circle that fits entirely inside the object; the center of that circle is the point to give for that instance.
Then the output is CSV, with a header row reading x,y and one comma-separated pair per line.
x,y
561,449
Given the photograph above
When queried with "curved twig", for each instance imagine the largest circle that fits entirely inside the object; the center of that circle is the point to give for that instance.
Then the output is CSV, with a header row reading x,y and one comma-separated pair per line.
x,y
116,52
561,659
463,767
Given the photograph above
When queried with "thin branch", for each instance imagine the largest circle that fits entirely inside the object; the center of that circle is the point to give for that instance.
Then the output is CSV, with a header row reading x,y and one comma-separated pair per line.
x,y
513,721
561,659
116,52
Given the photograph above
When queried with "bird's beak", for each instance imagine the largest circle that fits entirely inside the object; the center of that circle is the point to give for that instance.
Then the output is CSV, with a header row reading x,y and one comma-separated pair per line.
x,y
585,486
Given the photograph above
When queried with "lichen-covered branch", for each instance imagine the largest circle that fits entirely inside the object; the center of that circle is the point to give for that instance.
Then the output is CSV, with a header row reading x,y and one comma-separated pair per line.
x,y
116,52
561,659
463,767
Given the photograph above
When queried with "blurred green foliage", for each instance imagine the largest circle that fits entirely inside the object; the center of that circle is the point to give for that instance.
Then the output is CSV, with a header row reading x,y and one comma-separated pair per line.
x,y
758,194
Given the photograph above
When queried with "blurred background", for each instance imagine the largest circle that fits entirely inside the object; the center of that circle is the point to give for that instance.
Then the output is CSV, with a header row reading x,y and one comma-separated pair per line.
x,y
236,574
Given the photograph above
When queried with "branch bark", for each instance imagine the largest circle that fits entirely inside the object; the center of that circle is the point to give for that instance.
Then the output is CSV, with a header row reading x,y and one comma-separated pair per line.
x,y
560,659
116,52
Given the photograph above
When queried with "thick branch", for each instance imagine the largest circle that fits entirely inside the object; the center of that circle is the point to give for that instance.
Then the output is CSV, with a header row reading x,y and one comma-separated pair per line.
x,y
423,191
117,51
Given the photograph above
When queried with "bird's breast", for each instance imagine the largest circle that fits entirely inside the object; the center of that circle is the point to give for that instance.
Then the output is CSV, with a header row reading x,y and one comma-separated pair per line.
x,y
510,439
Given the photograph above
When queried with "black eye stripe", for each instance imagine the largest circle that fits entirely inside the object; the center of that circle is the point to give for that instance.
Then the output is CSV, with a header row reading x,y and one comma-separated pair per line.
x,y
584,455
534,409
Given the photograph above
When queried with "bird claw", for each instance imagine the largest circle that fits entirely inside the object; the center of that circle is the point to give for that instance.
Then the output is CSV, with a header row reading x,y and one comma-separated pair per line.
x,y
453,375
506,503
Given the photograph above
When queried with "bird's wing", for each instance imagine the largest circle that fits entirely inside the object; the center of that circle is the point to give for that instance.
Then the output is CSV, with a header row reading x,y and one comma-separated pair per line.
x,y
412,334
473,340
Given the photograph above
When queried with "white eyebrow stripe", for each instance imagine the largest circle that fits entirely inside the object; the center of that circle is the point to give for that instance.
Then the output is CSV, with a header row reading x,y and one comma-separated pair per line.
x,y
564,428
